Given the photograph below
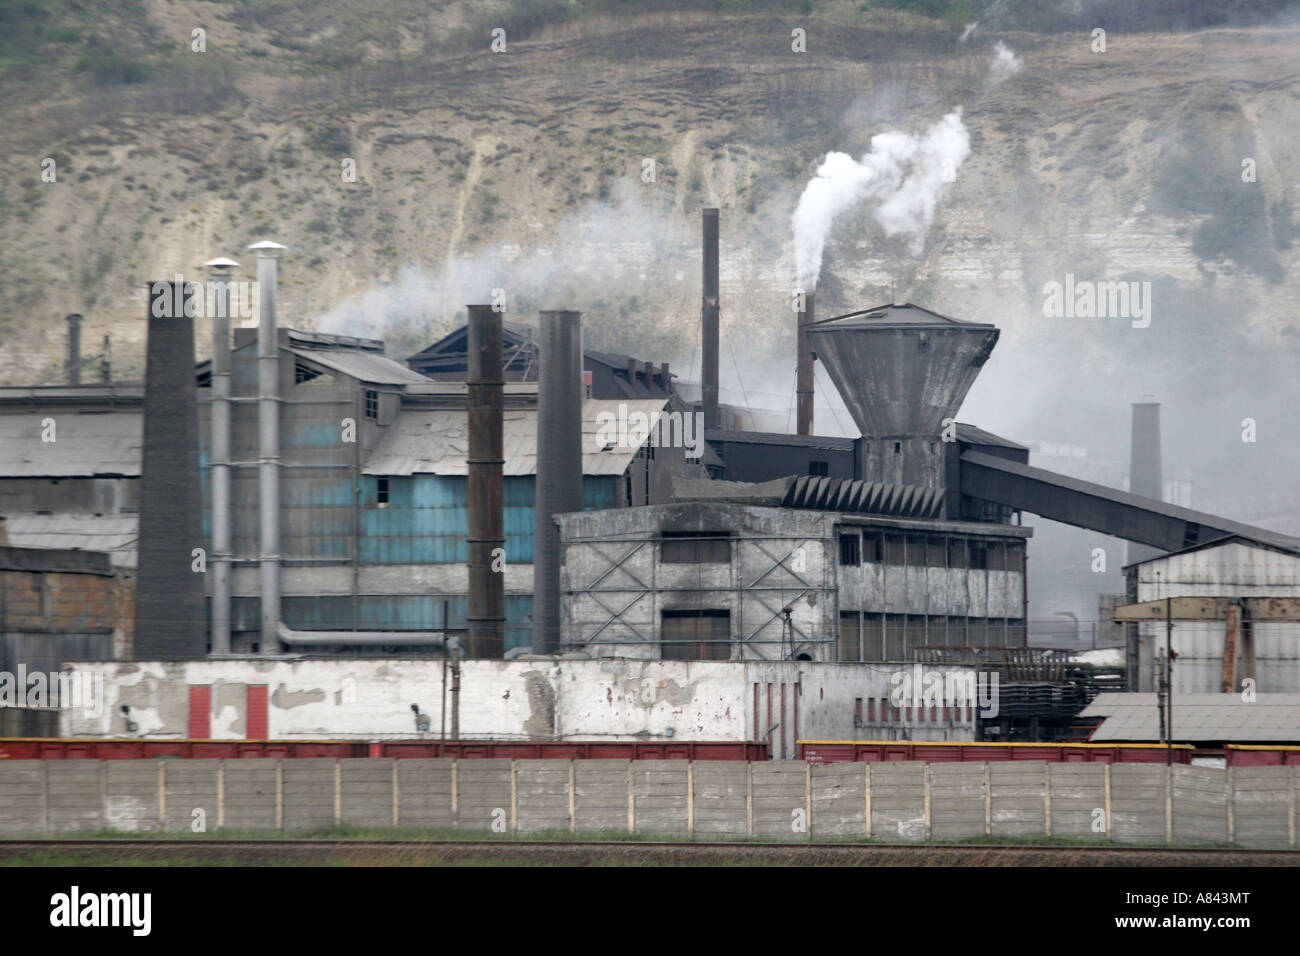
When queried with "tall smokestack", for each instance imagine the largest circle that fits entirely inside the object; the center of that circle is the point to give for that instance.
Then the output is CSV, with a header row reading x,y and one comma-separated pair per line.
x,y
1146,474
804,369
485,396
219,274
268,429
169,616
74,349
559,463
709,319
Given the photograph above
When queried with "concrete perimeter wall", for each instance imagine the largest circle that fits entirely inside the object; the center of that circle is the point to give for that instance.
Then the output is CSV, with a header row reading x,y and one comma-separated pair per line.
x,y
791,800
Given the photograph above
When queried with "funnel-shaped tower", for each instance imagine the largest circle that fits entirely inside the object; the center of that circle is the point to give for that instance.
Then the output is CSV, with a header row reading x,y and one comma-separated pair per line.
x,y
902,370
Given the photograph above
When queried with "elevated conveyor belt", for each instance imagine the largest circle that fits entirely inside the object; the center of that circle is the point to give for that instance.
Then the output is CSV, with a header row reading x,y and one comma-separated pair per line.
x,y
1098,508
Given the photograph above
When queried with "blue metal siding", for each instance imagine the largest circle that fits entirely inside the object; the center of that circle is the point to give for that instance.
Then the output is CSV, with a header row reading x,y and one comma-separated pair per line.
x,y
427,518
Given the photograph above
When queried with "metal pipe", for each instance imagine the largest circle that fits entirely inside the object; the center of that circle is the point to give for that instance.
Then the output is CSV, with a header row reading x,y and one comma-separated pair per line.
x,y
709,314
559,463
268,429
1146,475
74,349
804,368
106,364
219,271
485,398
294,638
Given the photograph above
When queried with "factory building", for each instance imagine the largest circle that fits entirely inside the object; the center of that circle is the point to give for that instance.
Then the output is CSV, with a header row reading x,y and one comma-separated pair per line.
x,y
374,492
714,580
1231,618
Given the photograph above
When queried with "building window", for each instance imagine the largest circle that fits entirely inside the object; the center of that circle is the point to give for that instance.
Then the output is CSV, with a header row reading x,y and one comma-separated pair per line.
x,y
851,549
894,553
898,448
372,405
978,556
850,648
819,468
381,492
696,547
703,635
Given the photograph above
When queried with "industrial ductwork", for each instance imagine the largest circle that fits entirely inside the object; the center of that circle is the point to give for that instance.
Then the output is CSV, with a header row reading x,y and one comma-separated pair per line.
x,y
293,638
268,428
485,397
169,612
559,464
219,274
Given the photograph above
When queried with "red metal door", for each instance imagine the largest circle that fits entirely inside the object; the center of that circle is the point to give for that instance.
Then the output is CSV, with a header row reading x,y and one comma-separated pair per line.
x,y
255,718
200,712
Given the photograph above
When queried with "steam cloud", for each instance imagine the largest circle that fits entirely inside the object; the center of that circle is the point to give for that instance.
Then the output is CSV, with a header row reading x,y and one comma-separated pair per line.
x,y
903,175
1005,62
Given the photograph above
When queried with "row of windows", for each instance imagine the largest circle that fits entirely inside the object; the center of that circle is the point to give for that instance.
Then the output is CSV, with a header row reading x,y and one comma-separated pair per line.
x,y
868,636
930,551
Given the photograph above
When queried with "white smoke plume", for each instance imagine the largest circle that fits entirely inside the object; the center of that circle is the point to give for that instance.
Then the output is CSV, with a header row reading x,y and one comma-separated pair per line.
x,y
970,28
1005,63
903,176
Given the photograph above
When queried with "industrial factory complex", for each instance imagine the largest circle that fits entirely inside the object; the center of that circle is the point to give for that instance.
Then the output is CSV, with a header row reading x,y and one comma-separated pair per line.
x,y
509,540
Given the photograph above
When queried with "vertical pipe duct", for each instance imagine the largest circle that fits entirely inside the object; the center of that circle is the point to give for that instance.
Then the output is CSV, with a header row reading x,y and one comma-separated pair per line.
x,y
709,318
169,613
106,367
219,273
74,349
559,464
1146,475
804,369
487,591
268,430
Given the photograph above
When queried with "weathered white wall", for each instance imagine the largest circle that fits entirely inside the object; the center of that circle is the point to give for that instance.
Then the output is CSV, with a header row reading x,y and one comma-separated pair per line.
x,y
1229,570
542,699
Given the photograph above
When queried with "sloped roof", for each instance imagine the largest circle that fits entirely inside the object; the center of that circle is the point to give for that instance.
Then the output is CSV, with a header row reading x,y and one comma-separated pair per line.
x,y
86,444
436,441
905,315
1272,718
114,534
364,366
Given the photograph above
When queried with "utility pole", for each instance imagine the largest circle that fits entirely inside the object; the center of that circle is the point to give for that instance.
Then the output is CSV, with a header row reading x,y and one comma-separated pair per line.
x,y
1169,680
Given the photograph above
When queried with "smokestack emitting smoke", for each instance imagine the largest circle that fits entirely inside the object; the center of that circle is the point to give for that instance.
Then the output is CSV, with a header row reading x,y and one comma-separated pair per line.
x,y
903,176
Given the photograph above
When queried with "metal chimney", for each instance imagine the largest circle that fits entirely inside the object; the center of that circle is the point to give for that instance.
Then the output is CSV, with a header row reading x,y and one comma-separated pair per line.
x,y
1146,476
709,318
804,368
485,396
559,463
219,274
268,428
74,349
106,366
169,613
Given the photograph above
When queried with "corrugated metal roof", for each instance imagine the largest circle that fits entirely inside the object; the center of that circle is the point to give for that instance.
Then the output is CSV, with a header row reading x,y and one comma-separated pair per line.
x,y
972,435
780,438
1271,718
86,444
114,534
365,366
436,441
